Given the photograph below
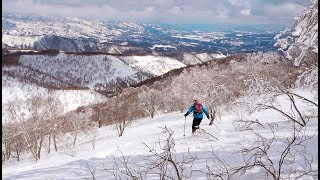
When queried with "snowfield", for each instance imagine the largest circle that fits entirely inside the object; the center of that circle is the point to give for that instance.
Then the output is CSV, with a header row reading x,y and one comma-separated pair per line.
x,y
200,149
156,65
15,91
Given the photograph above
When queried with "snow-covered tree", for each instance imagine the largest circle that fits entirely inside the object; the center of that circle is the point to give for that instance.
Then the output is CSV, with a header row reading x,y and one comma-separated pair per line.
x,y
149,100
300,44
32,121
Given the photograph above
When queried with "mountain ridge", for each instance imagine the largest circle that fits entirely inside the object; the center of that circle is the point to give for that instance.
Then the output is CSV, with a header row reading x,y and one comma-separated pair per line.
x,y
75,34
99,71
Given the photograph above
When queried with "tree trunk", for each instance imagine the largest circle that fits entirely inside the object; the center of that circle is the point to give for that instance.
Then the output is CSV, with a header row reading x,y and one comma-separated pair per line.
x,y
212,116
74,140
100,123
18,154
39,148
55,142
49,143
8,151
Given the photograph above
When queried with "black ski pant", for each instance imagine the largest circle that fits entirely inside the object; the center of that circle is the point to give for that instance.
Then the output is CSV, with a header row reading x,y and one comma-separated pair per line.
x,y
195,123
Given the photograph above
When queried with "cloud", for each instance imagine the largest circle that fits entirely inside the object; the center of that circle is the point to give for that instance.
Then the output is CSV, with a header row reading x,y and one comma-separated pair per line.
x,y
175,10
245,12
282,10
170,11
240,3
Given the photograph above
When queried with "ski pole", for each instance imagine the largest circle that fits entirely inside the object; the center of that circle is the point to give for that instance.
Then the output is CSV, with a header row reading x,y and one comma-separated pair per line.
x,y
184,131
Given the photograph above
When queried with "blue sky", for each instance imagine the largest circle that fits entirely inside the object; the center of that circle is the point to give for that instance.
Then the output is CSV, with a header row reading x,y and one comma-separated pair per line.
x,y
166,11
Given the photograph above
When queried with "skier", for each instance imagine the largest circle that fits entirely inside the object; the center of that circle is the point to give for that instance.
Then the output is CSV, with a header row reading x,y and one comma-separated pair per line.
x,y
198,110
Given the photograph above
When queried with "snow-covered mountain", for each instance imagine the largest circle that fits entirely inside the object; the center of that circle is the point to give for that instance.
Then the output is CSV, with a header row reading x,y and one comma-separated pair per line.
x,y
300,45
79,35
104,73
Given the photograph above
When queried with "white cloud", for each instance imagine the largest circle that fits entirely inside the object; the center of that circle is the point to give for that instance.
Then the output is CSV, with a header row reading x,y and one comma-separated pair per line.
x,y
223,13
241,3
282,10
171,11
175,10
245,12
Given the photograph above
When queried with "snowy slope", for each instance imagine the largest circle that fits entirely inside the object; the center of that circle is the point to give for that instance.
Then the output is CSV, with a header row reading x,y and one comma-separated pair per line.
x,y
81,69
69,28
109,146
301,45
198,58
90,70
305,34
104,73
189,58
155,65
14,90
20,41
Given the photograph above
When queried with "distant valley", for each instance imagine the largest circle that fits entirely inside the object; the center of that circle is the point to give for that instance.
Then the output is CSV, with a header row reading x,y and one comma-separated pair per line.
x,y
85,35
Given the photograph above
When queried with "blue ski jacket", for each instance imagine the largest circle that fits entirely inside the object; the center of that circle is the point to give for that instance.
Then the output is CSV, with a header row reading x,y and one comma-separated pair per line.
x,y
199,116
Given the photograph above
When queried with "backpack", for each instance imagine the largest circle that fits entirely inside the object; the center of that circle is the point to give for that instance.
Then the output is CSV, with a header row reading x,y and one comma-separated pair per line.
x,y
197,109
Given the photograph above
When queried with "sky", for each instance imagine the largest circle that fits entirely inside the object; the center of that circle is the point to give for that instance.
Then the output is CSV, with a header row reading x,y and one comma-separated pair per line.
x,y
166,11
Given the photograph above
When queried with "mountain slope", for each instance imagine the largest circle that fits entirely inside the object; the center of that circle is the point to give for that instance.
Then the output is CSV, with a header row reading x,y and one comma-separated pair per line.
x,y
154,65
17,91
300,45
105,73
196,151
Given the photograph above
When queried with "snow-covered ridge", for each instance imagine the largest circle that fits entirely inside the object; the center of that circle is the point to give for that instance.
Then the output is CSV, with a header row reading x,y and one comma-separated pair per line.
x,y
97,71
302,44
155,65
198,58
89,35
20,41
305,33
87,68
105,73
69,28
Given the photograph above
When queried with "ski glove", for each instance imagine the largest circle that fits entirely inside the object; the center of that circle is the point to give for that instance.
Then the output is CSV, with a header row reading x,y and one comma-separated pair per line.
x,y
208,117
185,115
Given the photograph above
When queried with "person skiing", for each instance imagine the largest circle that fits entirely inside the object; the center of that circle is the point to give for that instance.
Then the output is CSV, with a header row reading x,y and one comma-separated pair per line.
x,y
198,110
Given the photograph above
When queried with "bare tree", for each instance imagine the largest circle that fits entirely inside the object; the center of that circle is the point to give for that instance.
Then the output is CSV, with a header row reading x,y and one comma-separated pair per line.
x,y
96,115
12,141
165,161
92,168
91,134
122,169
42,109
149,100
268,141
75,122
180,87
12,131
123,109
295,115
217,168
162,162
32,122
260,155
67,145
